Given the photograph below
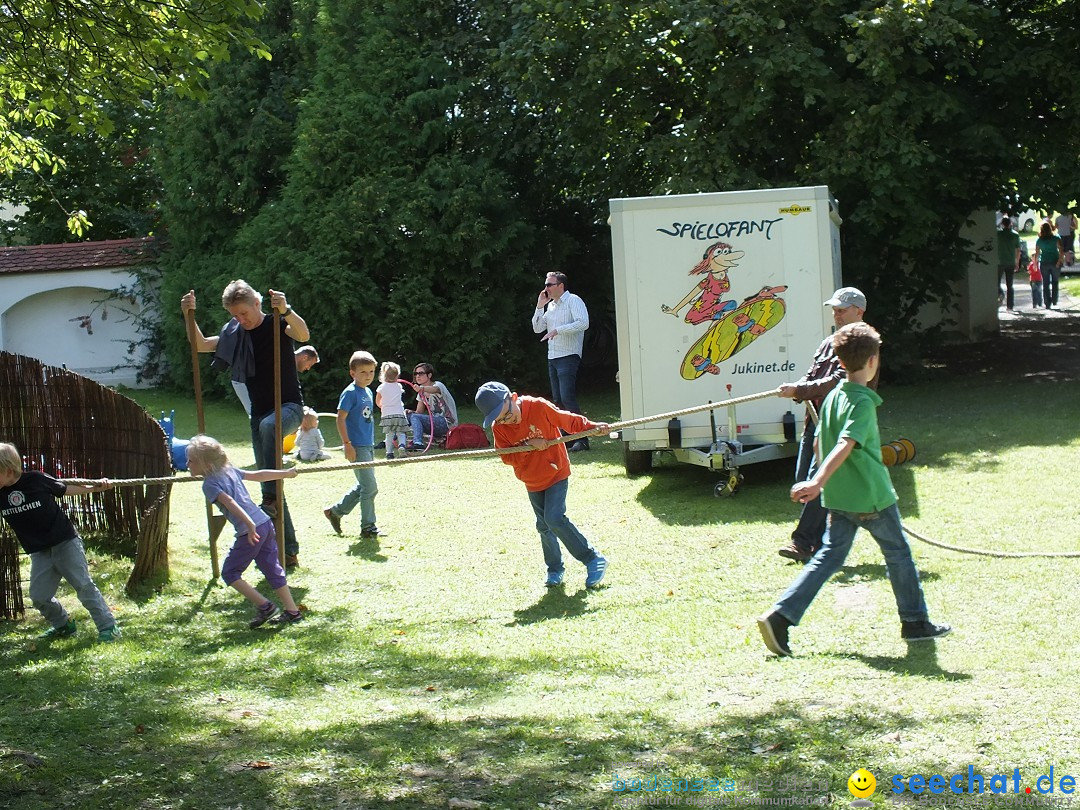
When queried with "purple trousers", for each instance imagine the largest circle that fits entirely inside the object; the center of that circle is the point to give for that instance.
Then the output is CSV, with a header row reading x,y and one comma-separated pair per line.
x,y
264,554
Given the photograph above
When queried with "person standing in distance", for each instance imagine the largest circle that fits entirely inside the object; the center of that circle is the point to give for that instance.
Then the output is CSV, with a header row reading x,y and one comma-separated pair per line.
x,y
825,373
1065,224
562,318
1008,253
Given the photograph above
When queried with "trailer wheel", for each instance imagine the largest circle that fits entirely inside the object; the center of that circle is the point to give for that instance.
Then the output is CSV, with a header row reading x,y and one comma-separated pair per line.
x,y
729,484
637,462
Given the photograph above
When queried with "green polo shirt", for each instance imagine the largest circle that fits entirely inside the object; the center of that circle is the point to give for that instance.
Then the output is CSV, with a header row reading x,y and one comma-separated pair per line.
x,y
861,483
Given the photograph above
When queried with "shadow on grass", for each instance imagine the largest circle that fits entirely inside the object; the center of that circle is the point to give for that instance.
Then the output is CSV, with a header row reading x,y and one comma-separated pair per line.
x,y
556,603
188,715
419,759
921,660
199,604
682,495
368,548
866,572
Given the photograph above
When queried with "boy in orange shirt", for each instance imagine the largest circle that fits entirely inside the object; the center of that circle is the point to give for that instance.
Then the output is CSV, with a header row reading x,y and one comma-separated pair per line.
x,y
518,420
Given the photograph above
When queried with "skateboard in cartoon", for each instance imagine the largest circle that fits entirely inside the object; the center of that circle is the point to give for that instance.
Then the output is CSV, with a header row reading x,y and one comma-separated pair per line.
x,y
740,325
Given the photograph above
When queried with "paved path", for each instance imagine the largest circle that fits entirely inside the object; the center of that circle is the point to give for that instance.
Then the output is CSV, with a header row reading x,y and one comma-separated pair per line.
x,y
1022,301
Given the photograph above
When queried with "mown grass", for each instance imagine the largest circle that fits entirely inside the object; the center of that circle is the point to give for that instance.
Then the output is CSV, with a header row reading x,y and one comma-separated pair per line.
x,y
433,666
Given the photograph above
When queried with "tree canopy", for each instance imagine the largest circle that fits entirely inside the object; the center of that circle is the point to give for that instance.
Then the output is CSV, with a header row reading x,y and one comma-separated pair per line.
x,y
68,63
909,111
407,170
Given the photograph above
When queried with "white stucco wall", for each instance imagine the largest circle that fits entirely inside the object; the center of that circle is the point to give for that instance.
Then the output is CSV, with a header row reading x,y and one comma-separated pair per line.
x,y
36,319
976,309
9,211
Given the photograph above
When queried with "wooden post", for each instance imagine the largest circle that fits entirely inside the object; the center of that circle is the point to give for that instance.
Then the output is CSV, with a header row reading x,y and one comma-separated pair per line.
x,y
214,523
279,485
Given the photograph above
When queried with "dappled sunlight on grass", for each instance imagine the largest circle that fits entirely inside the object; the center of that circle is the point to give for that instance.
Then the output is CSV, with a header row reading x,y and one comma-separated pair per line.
x,y
434,664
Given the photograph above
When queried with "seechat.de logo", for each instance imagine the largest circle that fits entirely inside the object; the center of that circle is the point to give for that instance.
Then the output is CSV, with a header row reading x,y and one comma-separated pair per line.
x,y
861,785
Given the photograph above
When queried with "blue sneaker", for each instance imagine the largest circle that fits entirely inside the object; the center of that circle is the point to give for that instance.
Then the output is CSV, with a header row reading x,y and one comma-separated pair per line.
x,y
554,579
595,568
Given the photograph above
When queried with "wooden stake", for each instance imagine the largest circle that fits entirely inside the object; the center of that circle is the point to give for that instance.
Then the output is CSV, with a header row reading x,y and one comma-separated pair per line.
x,y
279,485
214,523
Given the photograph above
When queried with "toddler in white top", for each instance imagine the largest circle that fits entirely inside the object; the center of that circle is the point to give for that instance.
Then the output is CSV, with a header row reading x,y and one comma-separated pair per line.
x,y
388,397
309,439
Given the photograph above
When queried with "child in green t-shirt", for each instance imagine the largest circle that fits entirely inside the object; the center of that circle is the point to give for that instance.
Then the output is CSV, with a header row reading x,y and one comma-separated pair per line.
x,y
856,490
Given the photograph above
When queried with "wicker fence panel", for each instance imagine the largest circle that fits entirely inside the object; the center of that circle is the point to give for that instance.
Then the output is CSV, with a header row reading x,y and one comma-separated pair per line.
x,y
69,426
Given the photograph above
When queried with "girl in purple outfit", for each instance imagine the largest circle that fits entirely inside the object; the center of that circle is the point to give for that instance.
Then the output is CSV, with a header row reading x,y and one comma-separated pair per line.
x,y
255,537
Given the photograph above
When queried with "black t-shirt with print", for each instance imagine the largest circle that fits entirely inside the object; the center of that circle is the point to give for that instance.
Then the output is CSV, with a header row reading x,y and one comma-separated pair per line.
x,y
30,508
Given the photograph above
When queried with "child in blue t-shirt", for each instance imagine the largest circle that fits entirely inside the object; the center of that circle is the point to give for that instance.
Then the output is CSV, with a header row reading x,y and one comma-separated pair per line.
x,y
256,539
855,488
356,426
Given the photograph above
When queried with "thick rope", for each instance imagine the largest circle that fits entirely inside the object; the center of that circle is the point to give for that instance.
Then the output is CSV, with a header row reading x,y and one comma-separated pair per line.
x,y
981,552
613,427
497,451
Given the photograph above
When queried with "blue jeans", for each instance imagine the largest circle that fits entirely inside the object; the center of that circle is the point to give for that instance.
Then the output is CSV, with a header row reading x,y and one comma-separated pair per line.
x,y
1049,272
67,560
420,422
267,454
886,530
553,524
562,373
811,526
363,493
1036,294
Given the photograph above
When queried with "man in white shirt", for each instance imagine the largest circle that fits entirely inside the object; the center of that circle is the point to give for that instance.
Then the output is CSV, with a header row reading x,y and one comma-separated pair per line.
x,y
562,318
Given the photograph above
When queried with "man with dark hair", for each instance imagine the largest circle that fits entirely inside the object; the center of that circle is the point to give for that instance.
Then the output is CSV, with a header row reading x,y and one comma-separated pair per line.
x,y
305,357
562,318
1008,258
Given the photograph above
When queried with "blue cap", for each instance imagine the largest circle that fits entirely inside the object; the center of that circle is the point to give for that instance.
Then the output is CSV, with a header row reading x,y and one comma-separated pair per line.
x,y
490,398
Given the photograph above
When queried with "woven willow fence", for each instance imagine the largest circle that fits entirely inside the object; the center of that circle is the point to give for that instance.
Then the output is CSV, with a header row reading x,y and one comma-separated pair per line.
x,y
71,427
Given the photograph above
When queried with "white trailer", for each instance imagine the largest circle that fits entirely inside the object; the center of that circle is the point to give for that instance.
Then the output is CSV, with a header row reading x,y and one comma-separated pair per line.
x,y
719,296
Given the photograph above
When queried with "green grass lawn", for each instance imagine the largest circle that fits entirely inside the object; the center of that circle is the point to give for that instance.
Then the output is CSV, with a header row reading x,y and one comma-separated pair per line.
x,y
434,670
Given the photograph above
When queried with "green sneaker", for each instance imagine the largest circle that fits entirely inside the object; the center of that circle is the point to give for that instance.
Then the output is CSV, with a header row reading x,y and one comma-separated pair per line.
x,y
63,631
109,634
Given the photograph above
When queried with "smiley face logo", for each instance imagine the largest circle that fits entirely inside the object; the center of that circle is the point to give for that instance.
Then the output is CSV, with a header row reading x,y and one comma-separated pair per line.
x,y
861,784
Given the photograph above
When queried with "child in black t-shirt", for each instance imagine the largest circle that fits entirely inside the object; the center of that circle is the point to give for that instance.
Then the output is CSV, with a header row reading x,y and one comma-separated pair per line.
x,y
28,504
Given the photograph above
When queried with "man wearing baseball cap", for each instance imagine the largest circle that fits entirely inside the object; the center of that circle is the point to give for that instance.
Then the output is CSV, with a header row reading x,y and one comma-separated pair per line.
x,y
825,373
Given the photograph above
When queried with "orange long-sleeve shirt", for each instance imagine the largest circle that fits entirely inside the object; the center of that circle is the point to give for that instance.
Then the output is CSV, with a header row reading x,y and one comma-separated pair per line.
x,y
540,419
